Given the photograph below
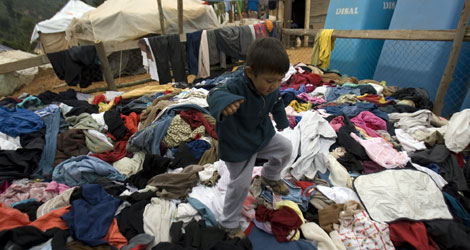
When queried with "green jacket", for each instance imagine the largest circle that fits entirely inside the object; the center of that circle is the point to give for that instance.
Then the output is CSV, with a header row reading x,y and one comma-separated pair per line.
x,y
249,129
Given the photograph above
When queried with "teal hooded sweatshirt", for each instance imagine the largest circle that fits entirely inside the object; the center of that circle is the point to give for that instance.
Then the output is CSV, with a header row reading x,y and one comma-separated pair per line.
x,y
250,128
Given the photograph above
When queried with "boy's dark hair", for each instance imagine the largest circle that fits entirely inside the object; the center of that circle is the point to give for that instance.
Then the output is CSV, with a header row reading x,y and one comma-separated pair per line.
x,y
266,55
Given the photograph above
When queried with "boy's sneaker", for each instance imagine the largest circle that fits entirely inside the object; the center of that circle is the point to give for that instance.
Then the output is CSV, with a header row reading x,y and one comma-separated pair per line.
x,y
233,232
277,186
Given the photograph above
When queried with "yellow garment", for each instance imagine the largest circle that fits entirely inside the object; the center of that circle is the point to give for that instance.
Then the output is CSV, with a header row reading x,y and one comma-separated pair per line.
x,y
316,51
105,106
295,207
300,107
326,46
147,90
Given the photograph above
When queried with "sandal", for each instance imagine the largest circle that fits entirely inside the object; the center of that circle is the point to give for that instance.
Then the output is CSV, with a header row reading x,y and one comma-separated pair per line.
x,y
278,186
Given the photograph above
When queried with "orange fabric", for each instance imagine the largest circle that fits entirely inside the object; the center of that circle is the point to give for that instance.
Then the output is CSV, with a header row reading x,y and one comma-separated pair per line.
x,y
269,25
52,219
114,237
11,218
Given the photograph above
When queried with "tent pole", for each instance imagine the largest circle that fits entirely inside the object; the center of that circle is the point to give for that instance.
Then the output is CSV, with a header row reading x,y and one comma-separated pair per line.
x,y
446,79
162,18
105,67
180,17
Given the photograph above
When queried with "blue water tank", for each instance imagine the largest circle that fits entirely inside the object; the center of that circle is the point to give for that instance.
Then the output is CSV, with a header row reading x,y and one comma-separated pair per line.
x,y
422,63
466,102
358,57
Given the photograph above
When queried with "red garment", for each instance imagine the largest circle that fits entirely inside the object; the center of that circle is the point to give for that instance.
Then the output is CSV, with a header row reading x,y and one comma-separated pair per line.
x,y
297,79
117,100
411,232
304,185
374,99
117,153
283,221
260,30
195,119
98,99
131,122
460,159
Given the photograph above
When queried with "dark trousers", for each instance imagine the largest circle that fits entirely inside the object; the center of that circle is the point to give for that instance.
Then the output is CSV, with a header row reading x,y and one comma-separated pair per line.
x,y
167,50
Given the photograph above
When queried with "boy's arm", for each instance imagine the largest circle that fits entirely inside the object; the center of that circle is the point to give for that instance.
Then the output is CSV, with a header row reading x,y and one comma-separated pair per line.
x,y
279,114
219,98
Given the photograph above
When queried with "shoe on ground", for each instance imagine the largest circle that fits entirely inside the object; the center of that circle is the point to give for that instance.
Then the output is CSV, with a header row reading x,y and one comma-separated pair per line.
x,y
278,186
233,232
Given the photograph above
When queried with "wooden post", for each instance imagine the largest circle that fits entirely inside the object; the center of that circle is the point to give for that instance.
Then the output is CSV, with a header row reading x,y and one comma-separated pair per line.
x,y
286,20
105,67
180,17
446,79
307,20
162,17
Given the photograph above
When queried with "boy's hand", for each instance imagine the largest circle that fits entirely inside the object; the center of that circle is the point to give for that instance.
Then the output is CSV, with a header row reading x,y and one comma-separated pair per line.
x,y
232,108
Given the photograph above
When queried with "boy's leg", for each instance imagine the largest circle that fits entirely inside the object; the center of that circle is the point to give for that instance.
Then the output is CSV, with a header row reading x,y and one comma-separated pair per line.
x,y
237,191
277,152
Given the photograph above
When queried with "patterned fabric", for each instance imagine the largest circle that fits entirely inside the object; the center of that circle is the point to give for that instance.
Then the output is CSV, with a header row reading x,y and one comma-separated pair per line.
x,y
360,232
180,131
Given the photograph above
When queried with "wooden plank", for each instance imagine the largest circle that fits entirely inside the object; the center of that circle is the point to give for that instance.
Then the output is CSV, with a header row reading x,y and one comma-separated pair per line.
x,y
307,20
162,17
319,7
420,35
23,64
105,67
453,58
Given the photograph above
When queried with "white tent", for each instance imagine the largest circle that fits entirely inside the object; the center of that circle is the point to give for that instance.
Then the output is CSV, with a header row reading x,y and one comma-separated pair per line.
x,y
51,32
124,20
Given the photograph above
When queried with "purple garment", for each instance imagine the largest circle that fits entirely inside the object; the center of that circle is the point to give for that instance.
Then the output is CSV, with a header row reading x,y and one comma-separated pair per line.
x,y
314,100
370,123
371,167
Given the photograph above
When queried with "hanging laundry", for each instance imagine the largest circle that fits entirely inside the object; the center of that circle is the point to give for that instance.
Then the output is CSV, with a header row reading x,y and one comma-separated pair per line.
x,y
167,50
77,65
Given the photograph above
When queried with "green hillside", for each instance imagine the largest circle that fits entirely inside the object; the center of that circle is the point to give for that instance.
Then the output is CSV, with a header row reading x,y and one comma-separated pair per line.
x,y
18,17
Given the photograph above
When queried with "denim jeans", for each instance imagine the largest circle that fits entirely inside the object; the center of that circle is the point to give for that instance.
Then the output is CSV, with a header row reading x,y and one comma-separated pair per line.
x,y
46,163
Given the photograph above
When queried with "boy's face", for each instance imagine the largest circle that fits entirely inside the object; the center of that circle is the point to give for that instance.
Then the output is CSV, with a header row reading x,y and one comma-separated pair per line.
x,y
265,83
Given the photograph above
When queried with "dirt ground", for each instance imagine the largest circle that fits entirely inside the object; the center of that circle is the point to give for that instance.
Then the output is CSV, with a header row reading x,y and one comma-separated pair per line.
x,y
47,80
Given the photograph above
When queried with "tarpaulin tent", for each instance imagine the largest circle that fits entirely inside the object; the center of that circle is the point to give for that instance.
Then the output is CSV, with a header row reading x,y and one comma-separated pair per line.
x,y
124,20
51,32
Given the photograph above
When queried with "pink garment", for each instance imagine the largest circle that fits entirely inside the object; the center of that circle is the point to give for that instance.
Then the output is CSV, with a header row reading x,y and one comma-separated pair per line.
x,y
337,123
249,207
260,30
311,99
290,111
382,152
370,123
20,192
292,121
56,187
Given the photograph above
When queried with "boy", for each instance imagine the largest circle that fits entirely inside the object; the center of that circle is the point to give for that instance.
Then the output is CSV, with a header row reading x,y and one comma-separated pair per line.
x,y
241,105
